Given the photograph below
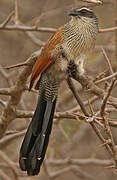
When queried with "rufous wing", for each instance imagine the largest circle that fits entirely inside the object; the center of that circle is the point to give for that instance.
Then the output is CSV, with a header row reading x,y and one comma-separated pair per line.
x,y
38,68
45,59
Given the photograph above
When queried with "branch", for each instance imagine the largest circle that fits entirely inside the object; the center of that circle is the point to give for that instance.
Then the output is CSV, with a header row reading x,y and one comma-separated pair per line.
x,y
66,115
79,162
106,122
91,119
90,85
9,162
71,86
81,174
17,65
57,115
6,76
4,175
7,19
3,103
74,169
9,113
108,61
112,29
106,98
27,28
18,27
93,1
16,13
5,91
7,138
106,78
34,39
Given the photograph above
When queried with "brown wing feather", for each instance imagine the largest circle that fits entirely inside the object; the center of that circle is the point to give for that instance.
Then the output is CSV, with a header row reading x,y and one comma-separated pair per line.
x,y
38,69
45,59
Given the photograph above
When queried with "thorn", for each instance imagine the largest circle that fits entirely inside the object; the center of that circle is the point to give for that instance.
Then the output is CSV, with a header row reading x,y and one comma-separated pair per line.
x,y
107,142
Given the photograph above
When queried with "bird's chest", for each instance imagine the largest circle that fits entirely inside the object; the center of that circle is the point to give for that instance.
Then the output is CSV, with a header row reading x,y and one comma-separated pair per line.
x,y
78,43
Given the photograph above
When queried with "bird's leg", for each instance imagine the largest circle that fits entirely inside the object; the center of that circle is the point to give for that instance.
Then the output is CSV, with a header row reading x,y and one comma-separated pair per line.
x,y
72,69
73,72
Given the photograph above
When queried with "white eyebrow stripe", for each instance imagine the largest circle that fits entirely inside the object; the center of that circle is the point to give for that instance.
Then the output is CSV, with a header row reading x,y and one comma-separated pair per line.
x,y
85,9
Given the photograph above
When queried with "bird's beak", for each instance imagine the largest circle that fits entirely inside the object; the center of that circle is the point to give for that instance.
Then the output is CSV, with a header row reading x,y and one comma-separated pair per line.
x,y
73,12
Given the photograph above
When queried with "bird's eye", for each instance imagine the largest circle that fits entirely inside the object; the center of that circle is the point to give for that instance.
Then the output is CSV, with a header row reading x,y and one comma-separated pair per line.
x,y
83,12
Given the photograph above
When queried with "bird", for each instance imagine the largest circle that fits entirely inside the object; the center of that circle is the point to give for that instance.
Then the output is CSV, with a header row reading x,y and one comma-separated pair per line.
x,y
68,47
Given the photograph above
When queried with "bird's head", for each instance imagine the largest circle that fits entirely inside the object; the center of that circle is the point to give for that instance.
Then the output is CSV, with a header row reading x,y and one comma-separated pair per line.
x,y
83,15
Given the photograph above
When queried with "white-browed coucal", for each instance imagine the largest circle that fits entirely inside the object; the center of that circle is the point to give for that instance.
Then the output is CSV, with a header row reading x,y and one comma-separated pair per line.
x,y
71,43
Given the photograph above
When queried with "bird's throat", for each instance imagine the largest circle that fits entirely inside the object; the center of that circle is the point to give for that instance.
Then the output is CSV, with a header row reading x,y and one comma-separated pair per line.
x,y
78,40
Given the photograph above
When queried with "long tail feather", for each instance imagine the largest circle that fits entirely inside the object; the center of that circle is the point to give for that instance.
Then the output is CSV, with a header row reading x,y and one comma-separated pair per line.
x,y
35,143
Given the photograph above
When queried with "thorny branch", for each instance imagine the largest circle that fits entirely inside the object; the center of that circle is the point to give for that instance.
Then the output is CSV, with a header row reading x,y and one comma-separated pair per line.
x,y
15,95
98,120
15,92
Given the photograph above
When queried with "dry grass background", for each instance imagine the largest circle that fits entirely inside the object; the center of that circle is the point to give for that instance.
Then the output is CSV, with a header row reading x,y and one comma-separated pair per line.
x,y
69,138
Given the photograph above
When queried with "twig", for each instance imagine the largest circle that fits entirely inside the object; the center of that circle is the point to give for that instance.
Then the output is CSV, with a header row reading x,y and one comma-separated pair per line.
x,y
16,13
97,131
4,175
91,108
38,20
93,1
44,29
112,29
7,138
108,61
79,162
73,169
16,65
98,91
106,98
114,104
57,115
9,162
7,19
106,123
46,169
81,174
27,28
92,100
35,40
57,173
3,103
6,76
115,5
5,91
63,132
106,78
86,82
71,86
3,72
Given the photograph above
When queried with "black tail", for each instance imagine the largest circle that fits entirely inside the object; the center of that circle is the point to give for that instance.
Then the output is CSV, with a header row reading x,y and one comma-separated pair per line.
x,y
35,142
